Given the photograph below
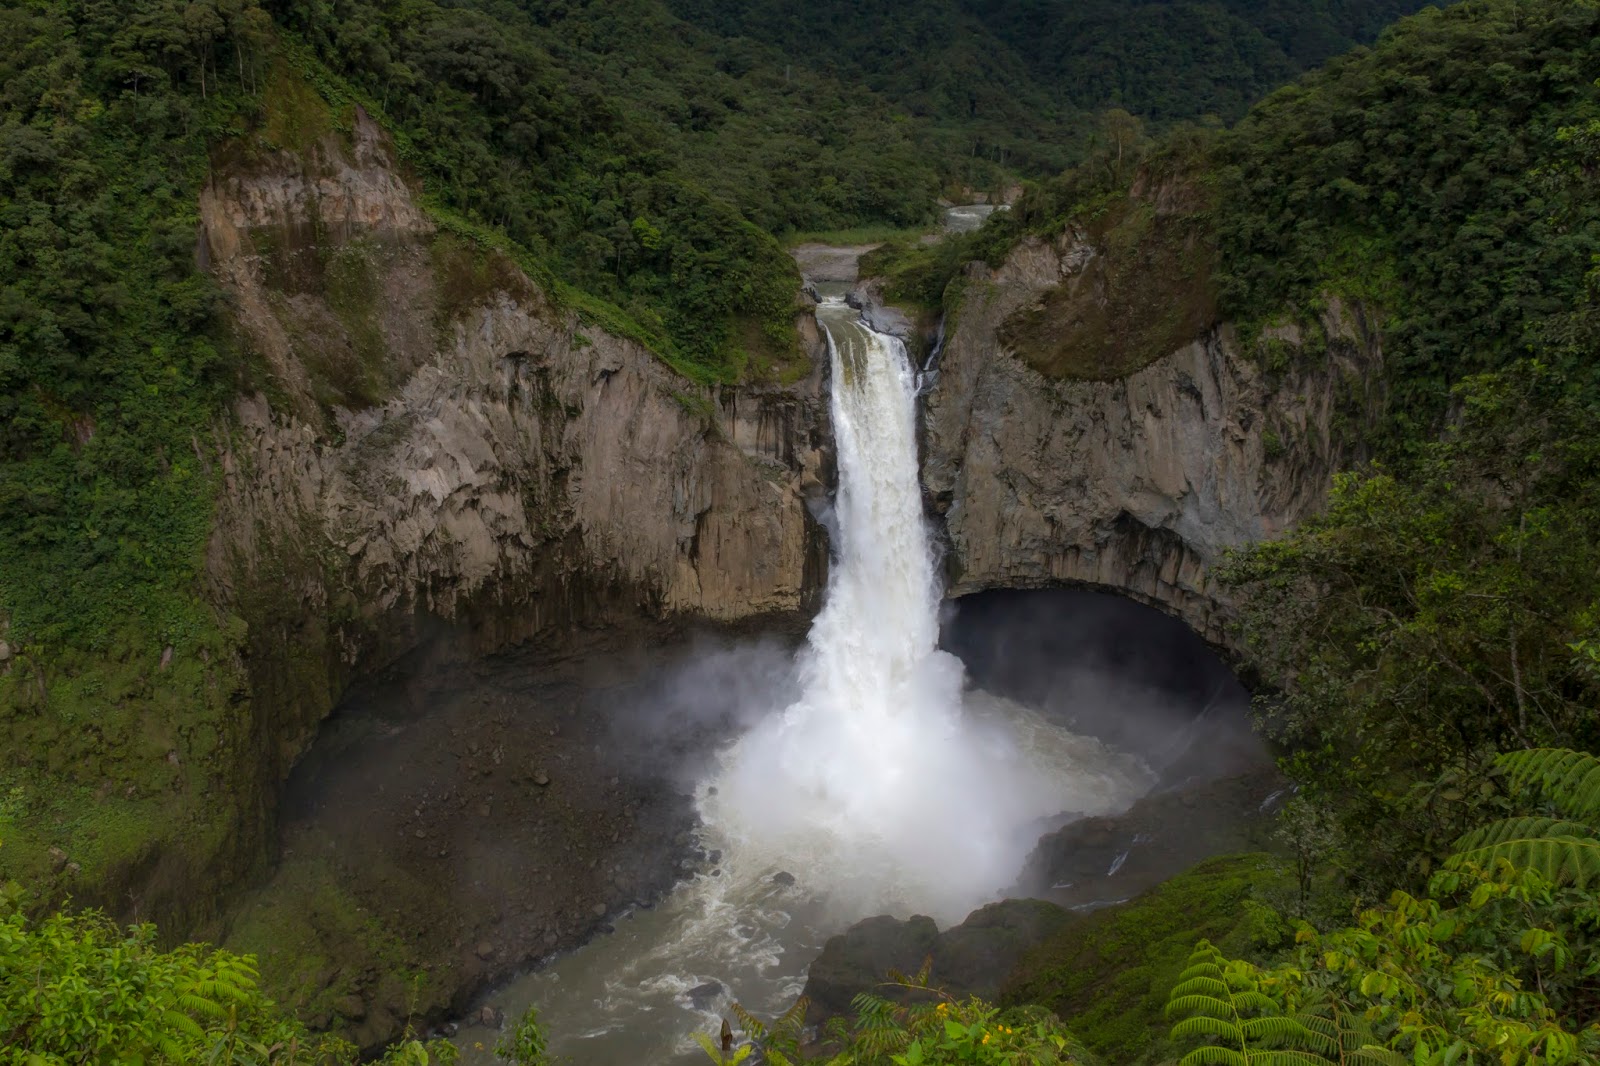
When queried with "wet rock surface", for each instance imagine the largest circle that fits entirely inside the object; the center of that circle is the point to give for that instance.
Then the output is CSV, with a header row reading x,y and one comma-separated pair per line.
x,y
464,822
830,263
1138,482
1094,862
1086,865
970,959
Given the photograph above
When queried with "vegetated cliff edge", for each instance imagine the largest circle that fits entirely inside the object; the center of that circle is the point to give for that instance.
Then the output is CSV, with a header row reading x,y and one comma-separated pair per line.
x,y
425,446
1093,423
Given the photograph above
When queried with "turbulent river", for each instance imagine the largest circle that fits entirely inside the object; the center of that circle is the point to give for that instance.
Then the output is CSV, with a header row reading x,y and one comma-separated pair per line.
x,y
887,786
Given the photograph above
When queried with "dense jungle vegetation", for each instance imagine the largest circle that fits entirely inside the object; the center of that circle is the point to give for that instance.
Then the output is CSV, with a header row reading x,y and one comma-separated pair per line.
x,y
1442,613
640,164
1445,608
1018,81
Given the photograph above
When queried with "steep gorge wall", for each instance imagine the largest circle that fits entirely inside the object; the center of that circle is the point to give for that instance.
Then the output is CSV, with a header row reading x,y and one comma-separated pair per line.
x,y
1139,483
431,446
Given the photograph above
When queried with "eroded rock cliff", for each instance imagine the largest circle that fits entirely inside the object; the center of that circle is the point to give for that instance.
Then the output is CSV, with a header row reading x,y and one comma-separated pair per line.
x,y
1137,483
433,440
429,450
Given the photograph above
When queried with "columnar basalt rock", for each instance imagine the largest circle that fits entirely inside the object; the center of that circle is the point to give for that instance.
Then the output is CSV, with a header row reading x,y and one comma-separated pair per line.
x,y
1141,483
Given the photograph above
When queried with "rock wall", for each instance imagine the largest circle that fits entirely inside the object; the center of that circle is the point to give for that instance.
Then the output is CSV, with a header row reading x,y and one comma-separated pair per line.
x,y
1137,484
430,443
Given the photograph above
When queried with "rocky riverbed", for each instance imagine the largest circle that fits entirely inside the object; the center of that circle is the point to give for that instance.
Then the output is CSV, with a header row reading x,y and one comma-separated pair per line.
x,y
461,822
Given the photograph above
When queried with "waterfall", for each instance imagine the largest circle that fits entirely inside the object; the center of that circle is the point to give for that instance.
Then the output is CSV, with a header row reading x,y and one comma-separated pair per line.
x,y
881,787
878,782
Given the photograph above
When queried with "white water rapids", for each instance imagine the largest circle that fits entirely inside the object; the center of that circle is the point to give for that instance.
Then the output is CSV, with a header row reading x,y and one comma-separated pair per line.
x,y
883,788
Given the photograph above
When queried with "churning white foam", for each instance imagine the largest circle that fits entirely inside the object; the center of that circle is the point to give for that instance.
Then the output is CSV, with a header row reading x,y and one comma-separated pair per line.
x,y
880,787
883,788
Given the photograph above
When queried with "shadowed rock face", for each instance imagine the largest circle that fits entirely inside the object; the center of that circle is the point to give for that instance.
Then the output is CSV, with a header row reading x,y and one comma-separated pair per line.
x,y
426,449
1136,484
971,959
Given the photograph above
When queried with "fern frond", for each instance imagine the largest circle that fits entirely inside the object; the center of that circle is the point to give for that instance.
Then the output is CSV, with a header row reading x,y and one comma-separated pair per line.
x,y
794,1017
1252,1000
1522,829
1197,1004
1288,1058
1279,1029
1571,779
1206,1025
1321,1034
750,1023
1201,986
1379,1056
1202,969
1557,859
1214,1055
710,1047
1326,1027
201,1005
868,1004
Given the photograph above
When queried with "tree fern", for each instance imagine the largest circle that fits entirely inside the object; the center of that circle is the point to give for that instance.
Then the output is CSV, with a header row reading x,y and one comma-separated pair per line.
x,y
1561,849
1226,1004
1571,779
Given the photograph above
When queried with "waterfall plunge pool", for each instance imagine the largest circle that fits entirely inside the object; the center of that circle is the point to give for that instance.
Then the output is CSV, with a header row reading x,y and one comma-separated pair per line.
x,y
874,778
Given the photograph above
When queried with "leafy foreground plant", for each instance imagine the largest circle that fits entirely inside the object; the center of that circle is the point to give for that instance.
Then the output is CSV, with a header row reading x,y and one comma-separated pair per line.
x,y
1496,963
1562,843
935,1029
80,989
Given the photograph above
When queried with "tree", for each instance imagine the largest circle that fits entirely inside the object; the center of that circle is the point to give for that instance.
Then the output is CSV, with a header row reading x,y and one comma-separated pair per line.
x,y
1496,963
1563,842
1427,619
81,989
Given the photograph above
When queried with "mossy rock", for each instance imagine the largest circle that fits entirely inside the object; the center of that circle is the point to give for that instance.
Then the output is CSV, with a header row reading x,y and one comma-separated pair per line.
x,y
1109,972
1145,292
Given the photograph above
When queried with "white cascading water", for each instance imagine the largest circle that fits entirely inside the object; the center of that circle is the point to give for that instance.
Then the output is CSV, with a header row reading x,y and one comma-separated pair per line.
x,y
879,781
883,788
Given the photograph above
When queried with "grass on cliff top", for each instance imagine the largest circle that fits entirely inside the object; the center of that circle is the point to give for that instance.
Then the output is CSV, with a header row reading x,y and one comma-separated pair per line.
x,y
1109,972
1145,292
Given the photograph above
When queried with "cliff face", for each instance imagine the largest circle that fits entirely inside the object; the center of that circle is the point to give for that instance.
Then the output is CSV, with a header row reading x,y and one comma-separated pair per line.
x,y
1140,483
429,442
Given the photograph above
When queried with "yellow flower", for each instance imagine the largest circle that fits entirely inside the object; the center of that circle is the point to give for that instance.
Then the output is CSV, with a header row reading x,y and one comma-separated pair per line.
x,y
942,1007
985,1038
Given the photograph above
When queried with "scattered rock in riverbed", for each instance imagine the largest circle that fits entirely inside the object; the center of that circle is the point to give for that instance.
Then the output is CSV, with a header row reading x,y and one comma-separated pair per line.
x,y
702,996
971,959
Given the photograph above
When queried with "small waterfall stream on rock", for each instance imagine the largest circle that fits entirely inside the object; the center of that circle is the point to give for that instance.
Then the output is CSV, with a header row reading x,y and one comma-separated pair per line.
x,y
884,788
